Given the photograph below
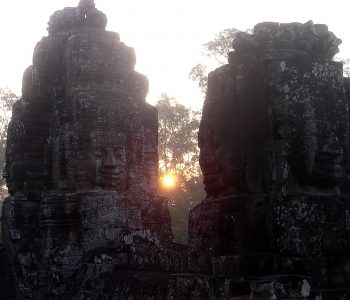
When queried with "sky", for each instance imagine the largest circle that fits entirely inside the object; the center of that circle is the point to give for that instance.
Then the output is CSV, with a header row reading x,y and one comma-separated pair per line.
x,y
167,35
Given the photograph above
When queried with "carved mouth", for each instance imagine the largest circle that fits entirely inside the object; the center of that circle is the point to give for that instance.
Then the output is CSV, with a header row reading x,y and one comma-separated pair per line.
x,y
110,182
110,175
110,171
331,170
211,178
335,157
328,166
210,168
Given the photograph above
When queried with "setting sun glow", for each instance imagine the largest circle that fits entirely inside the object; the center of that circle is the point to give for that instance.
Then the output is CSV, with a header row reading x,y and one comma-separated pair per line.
x,y
169,180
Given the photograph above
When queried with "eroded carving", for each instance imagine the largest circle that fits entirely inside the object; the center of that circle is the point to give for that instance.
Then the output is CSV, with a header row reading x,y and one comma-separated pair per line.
x,y
103,163
274,141
82,164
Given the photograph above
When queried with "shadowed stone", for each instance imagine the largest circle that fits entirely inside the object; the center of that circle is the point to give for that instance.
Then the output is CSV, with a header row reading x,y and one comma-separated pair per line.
x,y
274,152
82,167
83,219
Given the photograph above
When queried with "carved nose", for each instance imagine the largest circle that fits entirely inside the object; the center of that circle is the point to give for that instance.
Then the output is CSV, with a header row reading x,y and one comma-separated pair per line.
x,y
332,146
5,173
110,160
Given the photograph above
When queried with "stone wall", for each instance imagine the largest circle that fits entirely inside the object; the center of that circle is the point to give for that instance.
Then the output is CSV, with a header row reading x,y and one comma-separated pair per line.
x,y
84,220
274,151
82,164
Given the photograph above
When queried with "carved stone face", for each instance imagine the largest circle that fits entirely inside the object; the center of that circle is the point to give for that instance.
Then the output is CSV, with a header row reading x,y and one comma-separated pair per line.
x,y
318,130
318,156
329,155
104,164
14,168
13,172
221,162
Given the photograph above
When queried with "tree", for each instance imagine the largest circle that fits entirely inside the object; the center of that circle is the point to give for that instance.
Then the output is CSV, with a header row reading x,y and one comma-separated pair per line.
x,y
346,68
7,99
178,127
346,65
178,155
216,50
199,73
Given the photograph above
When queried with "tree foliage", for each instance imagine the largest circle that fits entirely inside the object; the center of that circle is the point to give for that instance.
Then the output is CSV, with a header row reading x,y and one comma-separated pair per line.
x,y
182,199
178,127
7,99
221,45
178,154
199,73
346,68
217,51
346,65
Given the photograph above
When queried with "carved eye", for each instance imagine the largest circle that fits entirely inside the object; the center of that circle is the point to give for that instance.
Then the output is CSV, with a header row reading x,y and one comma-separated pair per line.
x,y
325,129
100,153
119,153
10,157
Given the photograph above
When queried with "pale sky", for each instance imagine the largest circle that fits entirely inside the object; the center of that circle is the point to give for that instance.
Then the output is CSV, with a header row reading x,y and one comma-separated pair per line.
x,y
167,35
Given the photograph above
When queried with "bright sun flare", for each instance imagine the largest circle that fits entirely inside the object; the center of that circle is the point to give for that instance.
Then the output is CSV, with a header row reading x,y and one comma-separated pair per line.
x,y
169,180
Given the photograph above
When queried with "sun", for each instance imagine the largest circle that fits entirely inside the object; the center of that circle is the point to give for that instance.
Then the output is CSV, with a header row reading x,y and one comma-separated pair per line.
x,y
169,180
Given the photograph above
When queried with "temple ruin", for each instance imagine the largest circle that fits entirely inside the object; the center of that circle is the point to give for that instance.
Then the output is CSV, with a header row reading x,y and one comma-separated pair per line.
x,y
274,141
83,219
82,164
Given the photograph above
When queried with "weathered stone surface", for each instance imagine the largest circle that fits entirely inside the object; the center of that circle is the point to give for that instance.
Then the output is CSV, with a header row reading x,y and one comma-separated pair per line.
x,y
82,167
83,219
274,141
7,280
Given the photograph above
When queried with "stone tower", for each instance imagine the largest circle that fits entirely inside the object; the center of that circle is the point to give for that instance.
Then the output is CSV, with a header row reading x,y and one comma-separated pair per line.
x,y
82,162
274,152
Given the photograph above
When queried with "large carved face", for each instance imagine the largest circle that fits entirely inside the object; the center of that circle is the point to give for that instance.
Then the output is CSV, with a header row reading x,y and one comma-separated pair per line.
x,y
318,156
222,164
14,171
321,150
104,164
317,128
